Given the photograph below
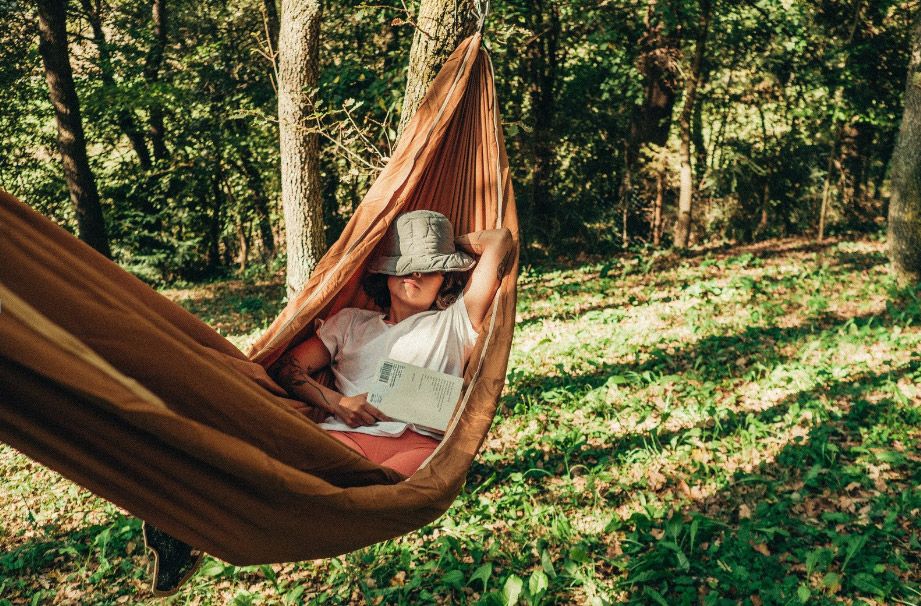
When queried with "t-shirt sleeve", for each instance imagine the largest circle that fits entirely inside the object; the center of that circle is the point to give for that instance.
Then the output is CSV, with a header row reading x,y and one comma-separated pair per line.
x,y
460,322
335,331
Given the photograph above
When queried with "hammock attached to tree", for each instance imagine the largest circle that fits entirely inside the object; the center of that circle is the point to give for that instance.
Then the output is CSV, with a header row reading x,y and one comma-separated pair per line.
x,y
124,392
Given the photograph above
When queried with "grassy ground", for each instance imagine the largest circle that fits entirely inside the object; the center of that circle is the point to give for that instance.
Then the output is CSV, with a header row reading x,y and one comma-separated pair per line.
x,y
740,426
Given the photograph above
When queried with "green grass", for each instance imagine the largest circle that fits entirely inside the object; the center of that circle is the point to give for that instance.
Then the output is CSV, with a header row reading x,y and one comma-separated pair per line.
x,y
736,426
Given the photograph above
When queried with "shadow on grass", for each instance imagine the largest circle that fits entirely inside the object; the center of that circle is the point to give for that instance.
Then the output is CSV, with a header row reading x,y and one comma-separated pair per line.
x,y
96,546
843,262
620,448
752,353
833,515
236,306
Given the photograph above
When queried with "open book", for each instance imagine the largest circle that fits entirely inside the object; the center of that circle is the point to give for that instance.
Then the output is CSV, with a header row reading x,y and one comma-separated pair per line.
x,y
416,395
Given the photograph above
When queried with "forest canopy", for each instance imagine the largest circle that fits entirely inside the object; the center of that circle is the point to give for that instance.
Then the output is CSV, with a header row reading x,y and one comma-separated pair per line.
x,y
794,114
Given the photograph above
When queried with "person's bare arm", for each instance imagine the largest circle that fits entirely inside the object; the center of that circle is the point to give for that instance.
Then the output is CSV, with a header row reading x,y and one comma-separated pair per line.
x,y
293,370
496,249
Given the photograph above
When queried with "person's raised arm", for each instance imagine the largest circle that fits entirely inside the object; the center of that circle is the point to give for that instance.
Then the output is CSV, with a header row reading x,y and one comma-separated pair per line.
x,y
293,370
496,251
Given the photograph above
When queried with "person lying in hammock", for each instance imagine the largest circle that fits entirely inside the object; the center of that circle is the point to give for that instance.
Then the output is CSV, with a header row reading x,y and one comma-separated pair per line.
x,y
431,319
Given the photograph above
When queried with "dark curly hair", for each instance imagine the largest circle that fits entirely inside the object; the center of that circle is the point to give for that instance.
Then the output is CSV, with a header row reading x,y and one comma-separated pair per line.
x,y
375,286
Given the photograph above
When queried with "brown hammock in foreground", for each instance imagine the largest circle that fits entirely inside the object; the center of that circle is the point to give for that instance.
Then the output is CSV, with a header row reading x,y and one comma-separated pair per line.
x,y
124,392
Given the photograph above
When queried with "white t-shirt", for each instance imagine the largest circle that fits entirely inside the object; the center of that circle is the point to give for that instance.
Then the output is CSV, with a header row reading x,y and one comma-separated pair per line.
x,y
357,339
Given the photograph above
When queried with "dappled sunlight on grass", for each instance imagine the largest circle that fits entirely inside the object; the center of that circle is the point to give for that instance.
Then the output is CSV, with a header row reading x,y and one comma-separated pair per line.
x,y
733,425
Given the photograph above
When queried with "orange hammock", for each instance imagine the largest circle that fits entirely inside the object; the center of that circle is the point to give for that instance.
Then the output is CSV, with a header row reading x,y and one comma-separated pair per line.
x,y
124,392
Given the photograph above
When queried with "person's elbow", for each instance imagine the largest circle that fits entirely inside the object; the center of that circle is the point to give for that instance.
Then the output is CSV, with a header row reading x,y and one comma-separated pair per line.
x,y
504,239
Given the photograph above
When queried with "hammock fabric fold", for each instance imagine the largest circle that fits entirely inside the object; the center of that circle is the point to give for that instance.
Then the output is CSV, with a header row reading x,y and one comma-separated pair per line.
x,y
124,392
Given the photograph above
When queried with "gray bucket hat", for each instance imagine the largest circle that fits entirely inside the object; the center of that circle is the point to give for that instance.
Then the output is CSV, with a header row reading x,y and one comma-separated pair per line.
x,y
423,241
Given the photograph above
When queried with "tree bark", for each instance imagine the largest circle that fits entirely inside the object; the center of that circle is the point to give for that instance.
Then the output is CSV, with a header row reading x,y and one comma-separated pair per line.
x,y
52,25
152,68
686,186
298,61
440,26
905,203
650,121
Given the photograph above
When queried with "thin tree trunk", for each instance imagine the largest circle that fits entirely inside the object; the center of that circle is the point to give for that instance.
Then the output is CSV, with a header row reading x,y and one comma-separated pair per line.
x,y
272,23
905,203
657,210
686,191
298,59
52,25
272,27
152,68
440,26
768,174
697,140
244,229
124,119
826,187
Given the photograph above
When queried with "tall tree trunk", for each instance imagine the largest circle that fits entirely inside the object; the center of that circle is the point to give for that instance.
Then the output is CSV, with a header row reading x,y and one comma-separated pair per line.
x,y
152,68
905,203
650,121
123,117
686,186
52,27
298,60
440,26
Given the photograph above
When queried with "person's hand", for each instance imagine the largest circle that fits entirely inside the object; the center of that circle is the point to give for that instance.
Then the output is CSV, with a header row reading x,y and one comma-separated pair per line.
x,y
356,411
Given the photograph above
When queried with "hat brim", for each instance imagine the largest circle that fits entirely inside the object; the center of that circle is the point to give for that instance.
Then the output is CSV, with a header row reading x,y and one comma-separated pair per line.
x,y
403,265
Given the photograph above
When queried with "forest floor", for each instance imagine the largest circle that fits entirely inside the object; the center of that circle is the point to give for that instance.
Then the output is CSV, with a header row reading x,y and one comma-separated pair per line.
x,y
736,426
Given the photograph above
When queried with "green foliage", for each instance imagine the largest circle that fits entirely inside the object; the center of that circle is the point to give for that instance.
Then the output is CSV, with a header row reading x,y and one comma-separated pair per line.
x,y
731,427
785,85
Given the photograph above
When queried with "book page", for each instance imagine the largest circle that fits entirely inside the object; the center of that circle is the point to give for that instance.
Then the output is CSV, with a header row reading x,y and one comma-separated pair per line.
x,y
416,395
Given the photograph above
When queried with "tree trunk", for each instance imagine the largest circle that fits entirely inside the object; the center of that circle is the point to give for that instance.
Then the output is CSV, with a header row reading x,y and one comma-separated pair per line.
x,y
686,186
440,26
661,177
650,122
298,60
905,203
52,25
124,119
152,75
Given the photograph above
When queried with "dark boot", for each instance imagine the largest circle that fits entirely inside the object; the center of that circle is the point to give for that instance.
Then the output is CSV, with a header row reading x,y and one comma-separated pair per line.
x,y
174,561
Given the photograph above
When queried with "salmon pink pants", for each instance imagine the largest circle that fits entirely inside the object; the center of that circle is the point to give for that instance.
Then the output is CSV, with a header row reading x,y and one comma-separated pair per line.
x,y
403,453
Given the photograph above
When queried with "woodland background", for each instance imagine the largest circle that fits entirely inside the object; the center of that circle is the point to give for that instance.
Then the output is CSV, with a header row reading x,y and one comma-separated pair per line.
x,y
714,389
795,105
